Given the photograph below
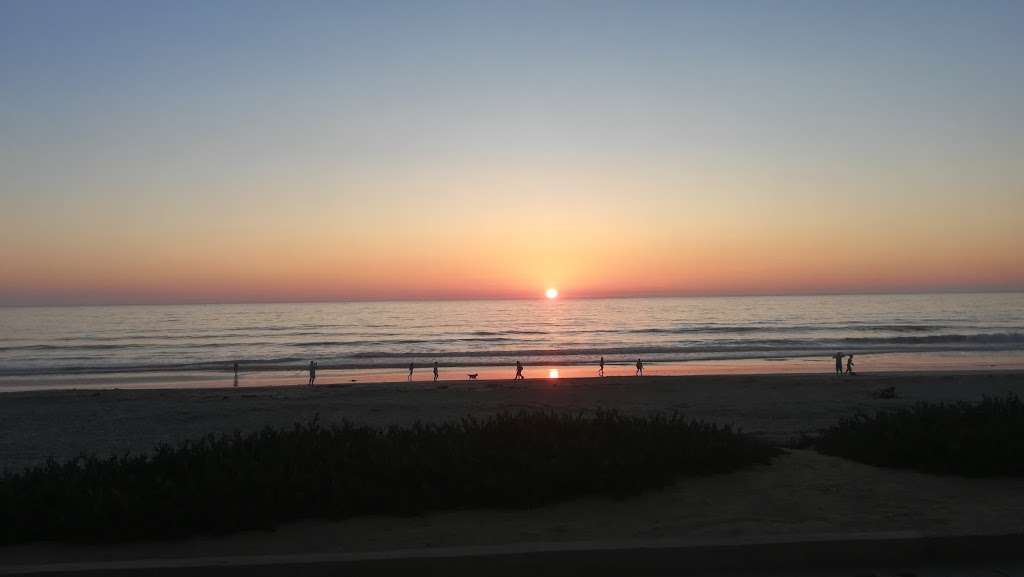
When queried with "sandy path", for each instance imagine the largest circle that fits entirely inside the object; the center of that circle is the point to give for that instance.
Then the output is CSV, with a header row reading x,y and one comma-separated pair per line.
x,y
800,493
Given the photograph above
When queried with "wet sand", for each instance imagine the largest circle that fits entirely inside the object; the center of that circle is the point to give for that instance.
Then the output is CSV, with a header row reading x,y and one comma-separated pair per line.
x,y
256,377
64,424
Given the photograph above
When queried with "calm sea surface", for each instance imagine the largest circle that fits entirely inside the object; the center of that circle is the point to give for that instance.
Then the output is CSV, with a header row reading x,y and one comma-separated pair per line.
x,y
169,339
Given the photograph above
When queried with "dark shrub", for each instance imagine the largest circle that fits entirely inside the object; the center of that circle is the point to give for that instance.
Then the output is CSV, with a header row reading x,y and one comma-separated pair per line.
x,y
974,440
231,482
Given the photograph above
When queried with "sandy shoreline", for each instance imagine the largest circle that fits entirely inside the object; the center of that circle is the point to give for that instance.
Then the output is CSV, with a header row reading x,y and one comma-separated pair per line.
x,y
263,376
64,424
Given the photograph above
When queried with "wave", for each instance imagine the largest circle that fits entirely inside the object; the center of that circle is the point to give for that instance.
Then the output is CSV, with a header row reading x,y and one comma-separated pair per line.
x,y
185,344
780,328
983,338
128,346
172,337
734,345
201,335
440,344
508,332
92,347
495,348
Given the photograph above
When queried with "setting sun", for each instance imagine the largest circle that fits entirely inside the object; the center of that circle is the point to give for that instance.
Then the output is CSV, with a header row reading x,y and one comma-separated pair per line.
x,y
551,293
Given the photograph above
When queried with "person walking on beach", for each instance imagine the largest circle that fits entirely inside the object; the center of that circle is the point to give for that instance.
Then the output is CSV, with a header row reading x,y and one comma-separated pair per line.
x,y
849,365
236,374
519,372
312,372
435,371
639,368
411,367
839,363
600,371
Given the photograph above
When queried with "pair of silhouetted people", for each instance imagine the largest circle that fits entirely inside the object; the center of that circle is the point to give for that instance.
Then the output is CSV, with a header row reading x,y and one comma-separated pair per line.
x,y
412,368
519,372
600,368
839,364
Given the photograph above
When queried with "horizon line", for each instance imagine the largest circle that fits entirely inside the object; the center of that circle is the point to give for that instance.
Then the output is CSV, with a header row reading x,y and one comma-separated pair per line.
x,y
541,297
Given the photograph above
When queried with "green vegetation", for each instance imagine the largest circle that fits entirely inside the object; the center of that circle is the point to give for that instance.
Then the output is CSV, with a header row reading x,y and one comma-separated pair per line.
x,y
241,481
974,440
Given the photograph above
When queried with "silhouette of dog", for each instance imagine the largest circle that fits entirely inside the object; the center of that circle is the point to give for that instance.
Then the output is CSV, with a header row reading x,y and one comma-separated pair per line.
x,y
472,375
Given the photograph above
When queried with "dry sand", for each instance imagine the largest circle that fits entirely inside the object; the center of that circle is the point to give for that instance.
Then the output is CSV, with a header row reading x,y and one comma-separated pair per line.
x,y
63,424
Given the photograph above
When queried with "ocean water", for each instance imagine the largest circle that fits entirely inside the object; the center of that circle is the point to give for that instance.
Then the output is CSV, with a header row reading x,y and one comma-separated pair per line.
x,y
353,336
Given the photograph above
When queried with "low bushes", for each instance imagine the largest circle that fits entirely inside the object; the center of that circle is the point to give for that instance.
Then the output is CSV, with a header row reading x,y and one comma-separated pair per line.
x,y
240,481
975,440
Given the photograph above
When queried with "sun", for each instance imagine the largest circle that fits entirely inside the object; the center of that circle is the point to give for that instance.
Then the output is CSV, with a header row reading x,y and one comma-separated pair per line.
x,y
551,293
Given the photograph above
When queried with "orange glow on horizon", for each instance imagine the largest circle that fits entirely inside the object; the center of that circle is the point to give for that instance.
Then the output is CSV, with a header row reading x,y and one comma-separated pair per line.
x,y
241,254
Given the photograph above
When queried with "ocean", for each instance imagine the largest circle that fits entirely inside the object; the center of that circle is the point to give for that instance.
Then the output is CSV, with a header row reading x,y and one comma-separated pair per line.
x,y
51,345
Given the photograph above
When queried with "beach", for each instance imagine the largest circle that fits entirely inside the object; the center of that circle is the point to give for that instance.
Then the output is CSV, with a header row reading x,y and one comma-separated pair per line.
x,y
35,425
802,494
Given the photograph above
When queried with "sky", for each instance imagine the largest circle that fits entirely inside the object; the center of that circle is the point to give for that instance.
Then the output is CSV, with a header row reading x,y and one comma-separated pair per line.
x,y
162,152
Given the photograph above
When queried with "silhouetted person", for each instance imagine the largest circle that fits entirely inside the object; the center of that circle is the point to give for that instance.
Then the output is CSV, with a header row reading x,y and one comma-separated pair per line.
x,y
312,372
519,372
600,371
639,368
839,363
411,368
849,365
435,371
236,374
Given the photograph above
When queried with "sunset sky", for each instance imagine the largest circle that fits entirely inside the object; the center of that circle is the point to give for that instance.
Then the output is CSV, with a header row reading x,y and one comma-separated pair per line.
x,y
246,151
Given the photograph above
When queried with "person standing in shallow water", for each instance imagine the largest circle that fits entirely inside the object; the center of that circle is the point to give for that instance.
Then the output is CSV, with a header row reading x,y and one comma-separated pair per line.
x,y
600,371
849,365
639,368
236,374
839,363
519,372
312,372
435,371
411,368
